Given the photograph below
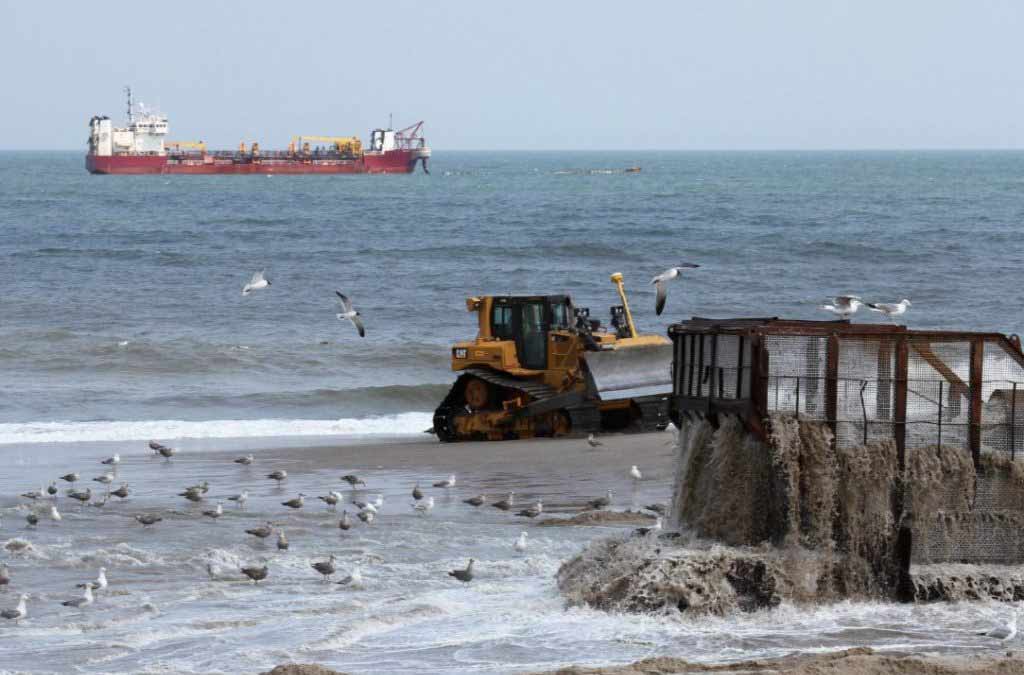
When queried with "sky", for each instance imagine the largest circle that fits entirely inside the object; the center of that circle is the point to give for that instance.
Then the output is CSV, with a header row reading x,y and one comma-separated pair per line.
x,y
525,75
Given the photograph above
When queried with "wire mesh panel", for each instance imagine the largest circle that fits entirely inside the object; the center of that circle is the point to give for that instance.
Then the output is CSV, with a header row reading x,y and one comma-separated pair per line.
x,y
865,393
796,374
1002,395
938,393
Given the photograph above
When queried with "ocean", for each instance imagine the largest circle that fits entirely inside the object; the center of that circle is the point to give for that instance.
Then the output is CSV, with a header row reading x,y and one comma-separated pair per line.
x,y
122,320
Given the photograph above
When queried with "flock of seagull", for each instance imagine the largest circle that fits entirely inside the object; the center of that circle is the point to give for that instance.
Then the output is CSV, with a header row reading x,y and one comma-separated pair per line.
x,y
366,511
845,306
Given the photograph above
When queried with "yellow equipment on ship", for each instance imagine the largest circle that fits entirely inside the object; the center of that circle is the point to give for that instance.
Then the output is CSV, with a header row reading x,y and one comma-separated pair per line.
x,y
540,366
345,145
190,145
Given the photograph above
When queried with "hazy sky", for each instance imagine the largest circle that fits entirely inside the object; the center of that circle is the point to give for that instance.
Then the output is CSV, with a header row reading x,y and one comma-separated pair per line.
x,y
715,74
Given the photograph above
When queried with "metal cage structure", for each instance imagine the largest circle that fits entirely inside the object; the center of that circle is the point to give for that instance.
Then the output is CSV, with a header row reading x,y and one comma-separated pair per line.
x,y
868,382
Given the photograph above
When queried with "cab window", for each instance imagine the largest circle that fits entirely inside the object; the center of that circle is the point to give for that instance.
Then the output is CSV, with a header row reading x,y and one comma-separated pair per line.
x,y
501,322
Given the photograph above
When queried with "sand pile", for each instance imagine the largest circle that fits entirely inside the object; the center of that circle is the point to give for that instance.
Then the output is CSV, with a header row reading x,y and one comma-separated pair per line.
x,y
799,519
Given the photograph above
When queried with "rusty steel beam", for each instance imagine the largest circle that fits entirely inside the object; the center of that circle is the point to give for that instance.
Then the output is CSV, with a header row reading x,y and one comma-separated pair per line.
x,y
832,381
899,407
977,363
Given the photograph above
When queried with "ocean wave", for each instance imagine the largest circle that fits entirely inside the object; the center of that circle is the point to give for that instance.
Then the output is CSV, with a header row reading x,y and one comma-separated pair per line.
x,y
403,424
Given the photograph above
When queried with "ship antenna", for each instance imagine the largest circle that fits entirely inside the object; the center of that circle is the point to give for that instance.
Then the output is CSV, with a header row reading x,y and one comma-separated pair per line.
x,y
391,123
128,93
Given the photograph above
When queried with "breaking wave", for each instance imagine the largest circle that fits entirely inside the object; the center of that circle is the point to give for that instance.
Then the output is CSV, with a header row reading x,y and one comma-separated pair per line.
x,y
62,432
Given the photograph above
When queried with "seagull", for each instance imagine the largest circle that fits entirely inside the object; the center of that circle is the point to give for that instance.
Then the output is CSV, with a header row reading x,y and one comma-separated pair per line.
x,y
448,482
282,541
844,305
635,472
105,479
121,492
278,475
240,498
70,477
203,487
345,523
506,503
365,506
156,447
258,282
166,452
100,503
5,576
465,575
263,531
657,508
417,493
193,494
83,497
257,574
215,513
246,461
34,494
81,602
354,579
32,519
100,584
348,312
353,480
19,612
1006,632
54,513
424,507
51,489
325,568
331,499
890,309
114,460
148,519
593,442
296,503
366,516
520,543
653,529
474,501
601,502
533,511
659,282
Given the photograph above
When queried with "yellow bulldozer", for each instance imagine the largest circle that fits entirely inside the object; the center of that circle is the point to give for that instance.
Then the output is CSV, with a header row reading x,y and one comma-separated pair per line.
x,y
541,367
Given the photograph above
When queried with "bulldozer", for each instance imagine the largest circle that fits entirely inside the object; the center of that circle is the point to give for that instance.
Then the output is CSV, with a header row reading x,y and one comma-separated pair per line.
x,y
540,366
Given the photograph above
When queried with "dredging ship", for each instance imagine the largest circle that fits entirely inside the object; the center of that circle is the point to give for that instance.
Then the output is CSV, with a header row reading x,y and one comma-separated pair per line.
x,y
141,147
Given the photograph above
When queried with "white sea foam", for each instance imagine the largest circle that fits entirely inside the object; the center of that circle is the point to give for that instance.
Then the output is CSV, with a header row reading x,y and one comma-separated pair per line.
x,y
61,432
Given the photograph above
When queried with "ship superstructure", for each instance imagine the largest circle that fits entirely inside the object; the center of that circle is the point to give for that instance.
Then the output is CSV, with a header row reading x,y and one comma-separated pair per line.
x,y
141,147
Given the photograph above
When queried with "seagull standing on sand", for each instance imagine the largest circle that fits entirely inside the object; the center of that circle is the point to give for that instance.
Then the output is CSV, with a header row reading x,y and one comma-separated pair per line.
x,y
635,473
167,452
331,499
215,513
844,306
353,480
506,503
106,479
325,568
520,544
296,503
660,283
533,511
257,283
70,477
5,576
448,482
278,475
890,309
121,492
653,529
112,461
19,612
355,579
466,575
257,574
601,502
82,497
282,541
474,501
240,498
417,493
367,517
34,494
593,442
32,519
345,523
101,581
245,461
349,312
82,602
262,532
1006,632
148,519
54,513
51,489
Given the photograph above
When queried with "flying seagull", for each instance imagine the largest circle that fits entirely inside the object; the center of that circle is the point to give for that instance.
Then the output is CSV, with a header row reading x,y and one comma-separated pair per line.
x,y
660,283
844,306
890,309
465,575
348,312
258,282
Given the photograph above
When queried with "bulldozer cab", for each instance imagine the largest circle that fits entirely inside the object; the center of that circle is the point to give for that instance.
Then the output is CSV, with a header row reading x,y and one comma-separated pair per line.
x,y
527,320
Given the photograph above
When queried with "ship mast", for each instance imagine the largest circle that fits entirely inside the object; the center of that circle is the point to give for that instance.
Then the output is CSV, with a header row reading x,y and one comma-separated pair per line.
x,y
128,93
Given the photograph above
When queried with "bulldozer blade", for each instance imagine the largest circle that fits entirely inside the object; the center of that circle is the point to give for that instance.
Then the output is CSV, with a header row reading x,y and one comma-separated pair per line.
x,y
630,372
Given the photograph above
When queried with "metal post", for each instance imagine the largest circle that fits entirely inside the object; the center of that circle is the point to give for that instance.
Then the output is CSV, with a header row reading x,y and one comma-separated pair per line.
x,y
739,370
798,398
1013,423
832,382
977,363
938,448
899,413
864,409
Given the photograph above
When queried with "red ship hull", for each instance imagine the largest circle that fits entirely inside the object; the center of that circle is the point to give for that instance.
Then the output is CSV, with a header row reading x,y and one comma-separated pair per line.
x,y
394,161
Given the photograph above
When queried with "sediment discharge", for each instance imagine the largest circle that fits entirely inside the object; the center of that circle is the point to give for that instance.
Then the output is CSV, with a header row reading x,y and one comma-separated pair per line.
x,y
799,519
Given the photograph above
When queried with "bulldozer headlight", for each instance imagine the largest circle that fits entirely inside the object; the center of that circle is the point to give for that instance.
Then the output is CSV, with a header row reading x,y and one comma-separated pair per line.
x,y
460,353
